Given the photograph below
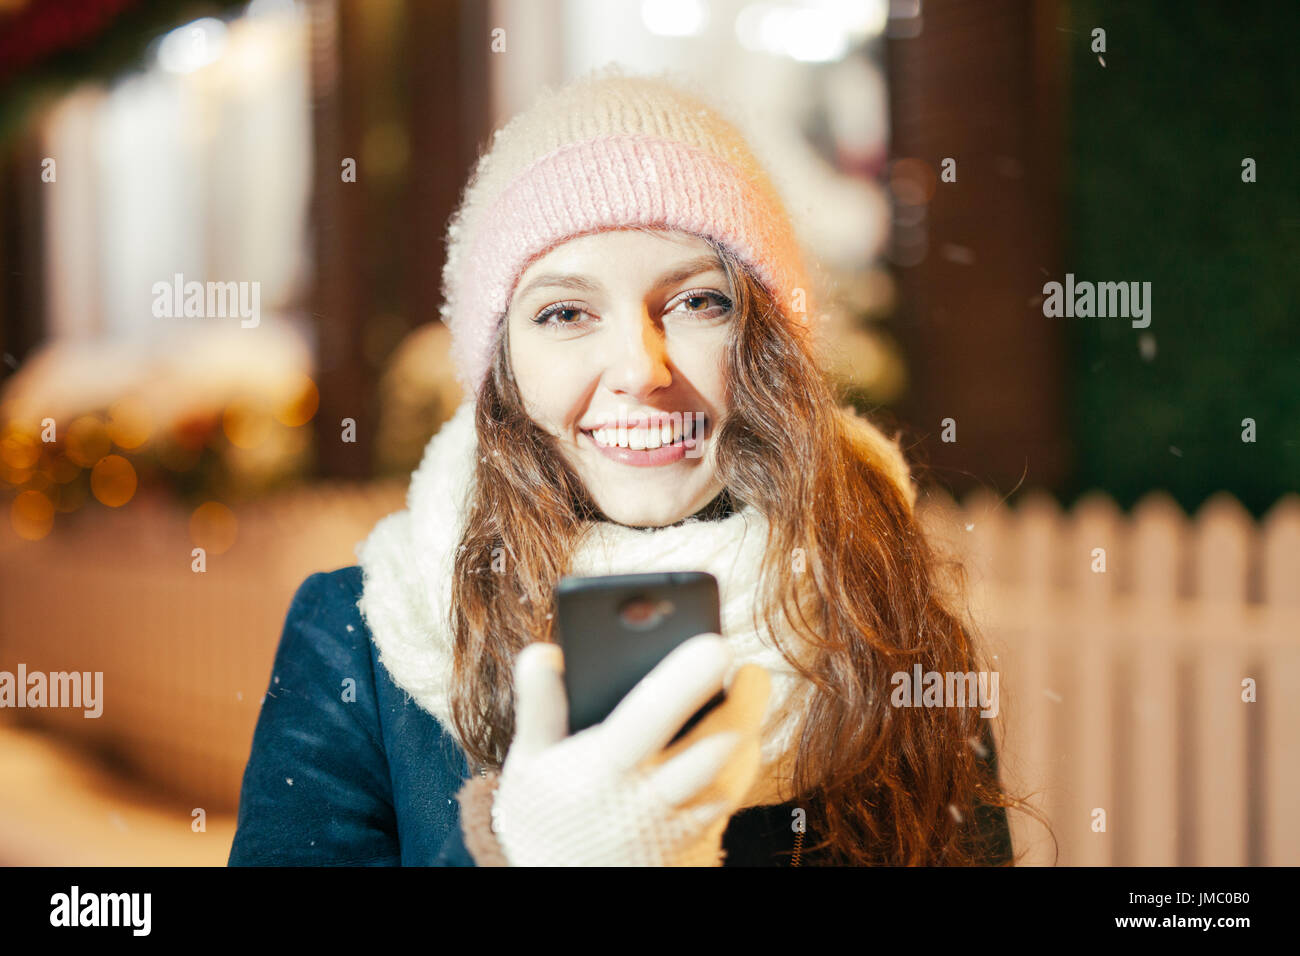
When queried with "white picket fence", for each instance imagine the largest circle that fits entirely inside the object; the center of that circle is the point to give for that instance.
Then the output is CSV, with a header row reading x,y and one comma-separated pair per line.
x,y
1120,691
1122,706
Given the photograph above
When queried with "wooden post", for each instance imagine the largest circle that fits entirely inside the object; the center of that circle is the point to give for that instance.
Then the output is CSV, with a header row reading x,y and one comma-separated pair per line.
x,y
1041,696
401,87
982,86
1150,836
1089,627
1277,686
1223,544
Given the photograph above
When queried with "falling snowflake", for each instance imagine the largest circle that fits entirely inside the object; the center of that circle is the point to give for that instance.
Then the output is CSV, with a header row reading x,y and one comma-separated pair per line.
x,y
1147,346
956,814
1053,696
289,781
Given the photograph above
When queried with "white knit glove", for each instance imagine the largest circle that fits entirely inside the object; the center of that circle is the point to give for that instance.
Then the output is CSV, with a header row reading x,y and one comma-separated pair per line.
x,y
612,795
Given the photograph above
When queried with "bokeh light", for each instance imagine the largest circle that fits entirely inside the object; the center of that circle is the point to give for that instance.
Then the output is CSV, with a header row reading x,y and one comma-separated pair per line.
x,y
247,422
213,527
912,181
14,476
129,423
32,515
298,409
19,450
57,466
113,481
87,441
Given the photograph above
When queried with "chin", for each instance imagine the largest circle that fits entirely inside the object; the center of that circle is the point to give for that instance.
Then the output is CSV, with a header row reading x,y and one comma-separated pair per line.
x,y
643,518
647,497
638,512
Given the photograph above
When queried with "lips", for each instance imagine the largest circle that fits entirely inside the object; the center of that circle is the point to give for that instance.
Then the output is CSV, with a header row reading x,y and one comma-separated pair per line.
x,y
664,443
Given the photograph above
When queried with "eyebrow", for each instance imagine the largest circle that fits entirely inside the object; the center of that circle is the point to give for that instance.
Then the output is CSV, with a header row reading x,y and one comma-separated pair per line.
x,y
692,267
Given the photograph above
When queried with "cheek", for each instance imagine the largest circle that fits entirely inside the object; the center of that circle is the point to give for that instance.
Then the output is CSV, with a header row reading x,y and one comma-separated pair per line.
x,y
702,364
542,377
524,366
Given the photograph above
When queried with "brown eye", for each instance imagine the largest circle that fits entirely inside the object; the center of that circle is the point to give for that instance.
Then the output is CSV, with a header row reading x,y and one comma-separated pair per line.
x,y
699,303
562,313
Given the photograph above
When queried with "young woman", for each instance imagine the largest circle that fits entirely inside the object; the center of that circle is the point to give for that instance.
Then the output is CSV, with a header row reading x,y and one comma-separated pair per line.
x,y
633,326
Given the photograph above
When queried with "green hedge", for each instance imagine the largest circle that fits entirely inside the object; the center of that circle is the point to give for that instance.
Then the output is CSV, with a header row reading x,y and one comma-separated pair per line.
x,y
1156,139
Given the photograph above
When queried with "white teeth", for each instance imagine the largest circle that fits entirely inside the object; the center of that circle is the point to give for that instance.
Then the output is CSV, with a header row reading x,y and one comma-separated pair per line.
x,y
643,439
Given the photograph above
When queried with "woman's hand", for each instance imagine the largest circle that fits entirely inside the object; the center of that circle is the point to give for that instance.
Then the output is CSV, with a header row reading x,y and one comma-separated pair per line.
x,y
612,795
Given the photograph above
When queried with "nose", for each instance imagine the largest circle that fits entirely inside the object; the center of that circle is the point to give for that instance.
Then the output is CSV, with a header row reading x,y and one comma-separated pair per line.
x,y
636,362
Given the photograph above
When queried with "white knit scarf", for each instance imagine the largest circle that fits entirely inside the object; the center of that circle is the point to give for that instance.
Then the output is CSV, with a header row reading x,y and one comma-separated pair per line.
x,y
407,563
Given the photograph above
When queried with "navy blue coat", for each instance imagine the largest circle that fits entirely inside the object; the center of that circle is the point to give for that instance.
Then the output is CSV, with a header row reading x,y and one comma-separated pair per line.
x,y
372,781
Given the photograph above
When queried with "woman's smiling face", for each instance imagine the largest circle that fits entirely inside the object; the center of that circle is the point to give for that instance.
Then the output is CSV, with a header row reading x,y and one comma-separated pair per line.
x,y
616,344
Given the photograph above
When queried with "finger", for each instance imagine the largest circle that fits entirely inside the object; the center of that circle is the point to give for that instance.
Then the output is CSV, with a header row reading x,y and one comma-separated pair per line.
x,y
742,710
655,709
541,707
685,775
718,770
734,782
739,718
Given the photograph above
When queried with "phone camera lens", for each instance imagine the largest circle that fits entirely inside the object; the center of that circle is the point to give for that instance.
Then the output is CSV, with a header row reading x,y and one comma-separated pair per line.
x,y
643,613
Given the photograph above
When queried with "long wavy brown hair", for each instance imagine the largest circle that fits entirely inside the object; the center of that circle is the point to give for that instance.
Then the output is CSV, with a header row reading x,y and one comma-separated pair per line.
x,y
880,784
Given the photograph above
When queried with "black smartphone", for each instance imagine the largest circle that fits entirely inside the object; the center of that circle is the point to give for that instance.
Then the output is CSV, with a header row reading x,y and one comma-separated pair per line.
x,y
614,629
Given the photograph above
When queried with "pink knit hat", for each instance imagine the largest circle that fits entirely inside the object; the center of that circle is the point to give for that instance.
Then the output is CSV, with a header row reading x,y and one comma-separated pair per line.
x,y
608,150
